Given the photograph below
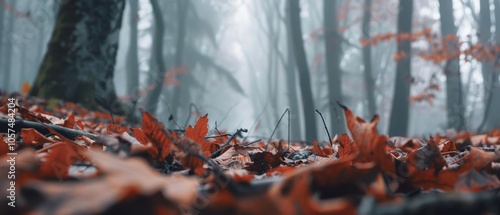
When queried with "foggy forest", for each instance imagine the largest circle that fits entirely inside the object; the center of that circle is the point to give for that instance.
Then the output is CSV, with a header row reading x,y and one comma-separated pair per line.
x,y
250,106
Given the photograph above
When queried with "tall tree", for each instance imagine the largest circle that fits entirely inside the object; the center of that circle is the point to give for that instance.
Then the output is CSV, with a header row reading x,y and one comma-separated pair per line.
x,y
493,114
333,55
2,12
132,58
367,61
454,101
304,79
7,61
181,92
80,59
398,123
291,80
486,65
157,54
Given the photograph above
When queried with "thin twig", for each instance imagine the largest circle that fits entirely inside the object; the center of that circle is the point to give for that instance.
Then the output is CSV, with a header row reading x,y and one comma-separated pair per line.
x,y
238,132
40,127
288,141
326,128
276,127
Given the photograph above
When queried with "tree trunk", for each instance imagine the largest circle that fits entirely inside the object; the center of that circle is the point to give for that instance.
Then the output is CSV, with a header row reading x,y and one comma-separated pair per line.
x,y
493,115
2,13
454,101
291,81
80,59
398,123
367,62
181,91
132,58
40,49
304,79
333,54
8,49
154,95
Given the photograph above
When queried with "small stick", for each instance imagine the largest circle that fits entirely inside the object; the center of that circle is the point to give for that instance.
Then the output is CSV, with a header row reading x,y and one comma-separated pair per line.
x,y
238,132
276,127
288,141
326,128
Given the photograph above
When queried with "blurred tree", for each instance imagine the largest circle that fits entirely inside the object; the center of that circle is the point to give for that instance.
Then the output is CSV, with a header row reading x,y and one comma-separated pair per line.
x,y
157,55
80,59
367,61
398,123
454,98
291,80
2,12
333,55
487,67
132,54
180,92
494,119
7,51
304,79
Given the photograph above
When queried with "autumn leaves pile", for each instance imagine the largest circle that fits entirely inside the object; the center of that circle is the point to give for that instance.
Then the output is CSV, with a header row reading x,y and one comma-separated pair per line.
x,y
149,169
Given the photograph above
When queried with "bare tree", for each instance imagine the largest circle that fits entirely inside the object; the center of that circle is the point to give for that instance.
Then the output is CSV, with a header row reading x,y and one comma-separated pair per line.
x,y
454,100
7,61
398,123
157,54
367,61
333,55
132,58
291,80
304,79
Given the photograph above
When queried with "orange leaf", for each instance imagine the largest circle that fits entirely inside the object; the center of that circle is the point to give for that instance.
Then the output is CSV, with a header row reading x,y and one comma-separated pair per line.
x,y
33,137
199,132
318,150
156,133
25,88
345,145
60,159
369,143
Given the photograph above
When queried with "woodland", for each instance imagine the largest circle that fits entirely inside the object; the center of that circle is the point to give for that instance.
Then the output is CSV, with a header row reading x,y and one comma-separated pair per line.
x,y
250,107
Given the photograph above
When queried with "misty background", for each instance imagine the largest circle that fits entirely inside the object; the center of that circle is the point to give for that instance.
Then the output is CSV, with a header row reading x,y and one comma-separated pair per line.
x,y
237,60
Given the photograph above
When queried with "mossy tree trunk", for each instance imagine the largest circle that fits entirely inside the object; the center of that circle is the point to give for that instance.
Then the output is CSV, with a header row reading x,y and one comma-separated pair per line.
x,y
79,62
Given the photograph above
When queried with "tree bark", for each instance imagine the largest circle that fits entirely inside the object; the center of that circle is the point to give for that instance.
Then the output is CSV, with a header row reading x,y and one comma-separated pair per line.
x,y
333,54
154,95
80,59
485,38
2,13
367,62
398,123
291,80
494,114
304,79
7,61
181,91
132,58
454,102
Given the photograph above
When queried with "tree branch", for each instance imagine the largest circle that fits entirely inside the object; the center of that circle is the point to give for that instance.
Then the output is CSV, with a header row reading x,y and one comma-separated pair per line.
x,y
40,127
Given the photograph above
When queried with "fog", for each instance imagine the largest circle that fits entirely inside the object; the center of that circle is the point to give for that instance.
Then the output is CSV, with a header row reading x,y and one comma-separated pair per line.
x,y
232,60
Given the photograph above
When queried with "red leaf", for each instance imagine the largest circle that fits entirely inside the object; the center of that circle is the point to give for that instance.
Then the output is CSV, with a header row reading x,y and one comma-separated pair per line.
x,y
60,159
319,151
345,145
33,137
199,132
155,131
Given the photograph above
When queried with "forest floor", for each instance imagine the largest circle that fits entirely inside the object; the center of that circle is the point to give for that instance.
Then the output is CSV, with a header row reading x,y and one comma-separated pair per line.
x,y
60,158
